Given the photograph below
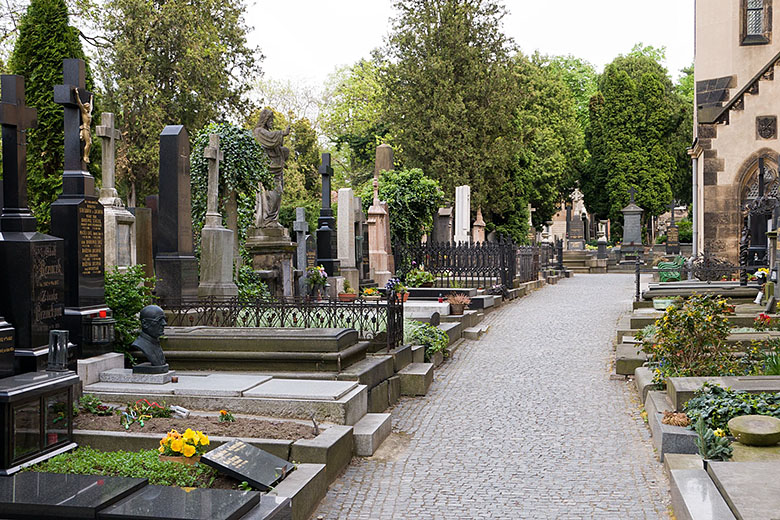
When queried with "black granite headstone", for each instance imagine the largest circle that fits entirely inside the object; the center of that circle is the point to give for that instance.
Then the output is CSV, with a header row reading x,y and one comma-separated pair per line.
x,y
175,264
6,349
56,496
31,270
673,240
175,503
246,463
326,232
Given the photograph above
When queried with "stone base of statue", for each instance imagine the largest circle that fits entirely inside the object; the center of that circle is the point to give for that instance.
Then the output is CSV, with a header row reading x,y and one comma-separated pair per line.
x,y
216,263
119,232
272,256
137,375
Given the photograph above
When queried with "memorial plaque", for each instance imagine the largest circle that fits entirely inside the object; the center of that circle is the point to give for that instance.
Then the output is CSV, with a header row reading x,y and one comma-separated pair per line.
x,y
123,244
91,238
175,503
632,231
311,251
6,349
48,290
247,463
577,230
673,240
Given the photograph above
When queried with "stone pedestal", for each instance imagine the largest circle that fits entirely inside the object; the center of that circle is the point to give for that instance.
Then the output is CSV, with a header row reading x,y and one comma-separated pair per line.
x,y
632,229
346,238
216,263
379,257
462,214
272,256
478,229
119,231
602,240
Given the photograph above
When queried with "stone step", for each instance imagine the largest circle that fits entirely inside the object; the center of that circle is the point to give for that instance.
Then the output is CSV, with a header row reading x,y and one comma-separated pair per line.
x,y
418,354
695,496
306,487
416,379
333,447
469,318
475,333
257,339
484,301
454,346
370,371
643,379
402,356
454,330
370,432
628,357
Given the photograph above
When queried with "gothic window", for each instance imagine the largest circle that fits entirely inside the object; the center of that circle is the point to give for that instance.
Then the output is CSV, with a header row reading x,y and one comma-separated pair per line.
x,y
756,26
771,184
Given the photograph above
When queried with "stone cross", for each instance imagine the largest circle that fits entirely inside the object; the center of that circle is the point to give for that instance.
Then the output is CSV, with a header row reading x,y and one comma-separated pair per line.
x,y
671,208
73,75
301,227
632,192
214,155
15,118
108,135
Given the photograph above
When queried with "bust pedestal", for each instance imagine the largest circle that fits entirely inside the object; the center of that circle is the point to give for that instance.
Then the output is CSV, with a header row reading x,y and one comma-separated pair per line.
x,y
272,255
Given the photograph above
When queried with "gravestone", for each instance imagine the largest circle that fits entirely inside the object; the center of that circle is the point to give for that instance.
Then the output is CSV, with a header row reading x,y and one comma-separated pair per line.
x,y
478,229
244,462
575,230
326,256
361,244
443,226
6,349
379,247
31,264
175,265
77,217
311,251
216,250
346,237
118,222
144,244
632,226
153,203
672,236
602,239
462,214
301,229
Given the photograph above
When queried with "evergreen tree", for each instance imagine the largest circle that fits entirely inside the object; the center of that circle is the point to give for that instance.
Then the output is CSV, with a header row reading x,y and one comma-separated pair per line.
x,y
45,39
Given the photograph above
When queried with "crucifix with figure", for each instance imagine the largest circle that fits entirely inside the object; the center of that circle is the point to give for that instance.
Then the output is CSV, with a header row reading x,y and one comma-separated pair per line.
x,y
77,103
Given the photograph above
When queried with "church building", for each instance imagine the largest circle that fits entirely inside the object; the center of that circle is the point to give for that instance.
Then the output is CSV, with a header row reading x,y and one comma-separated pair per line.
x,y
735,121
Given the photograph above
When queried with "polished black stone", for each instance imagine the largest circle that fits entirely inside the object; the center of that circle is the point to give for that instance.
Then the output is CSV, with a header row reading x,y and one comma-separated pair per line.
x,y
6,349
247,463
55,496
148,368
74,76
32,384
174,503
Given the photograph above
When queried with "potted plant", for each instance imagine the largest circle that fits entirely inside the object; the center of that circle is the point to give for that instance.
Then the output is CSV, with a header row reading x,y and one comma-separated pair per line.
x,y
419,277
370,294
184,448
458,302
394,285
316,280
349,294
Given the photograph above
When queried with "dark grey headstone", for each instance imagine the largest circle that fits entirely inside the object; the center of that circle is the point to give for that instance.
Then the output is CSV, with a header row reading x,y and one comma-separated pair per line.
x,y
175,503
57,496
673,240
443,225
311,251
247,463
6,349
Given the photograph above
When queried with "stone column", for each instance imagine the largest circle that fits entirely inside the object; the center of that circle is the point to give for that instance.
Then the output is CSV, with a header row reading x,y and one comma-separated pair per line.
x,y
478,230
462,214
118,223
602,240
379,248
346,237
216,250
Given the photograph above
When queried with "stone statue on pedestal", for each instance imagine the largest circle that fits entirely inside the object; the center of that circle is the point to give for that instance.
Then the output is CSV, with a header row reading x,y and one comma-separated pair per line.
x,y
148,341
268,201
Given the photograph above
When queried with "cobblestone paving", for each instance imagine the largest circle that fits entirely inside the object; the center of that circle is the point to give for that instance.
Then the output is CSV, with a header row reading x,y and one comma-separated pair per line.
x,y
524,423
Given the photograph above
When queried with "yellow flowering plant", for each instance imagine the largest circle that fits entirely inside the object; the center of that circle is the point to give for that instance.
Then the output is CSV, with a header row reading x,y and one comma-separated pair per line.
x,y
188,444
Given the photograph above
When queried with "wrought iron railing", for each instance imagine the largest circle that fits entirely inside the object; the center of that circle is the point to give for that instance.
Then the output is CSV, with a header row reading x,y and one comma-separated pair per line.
x,y
371,319
528,260
462,265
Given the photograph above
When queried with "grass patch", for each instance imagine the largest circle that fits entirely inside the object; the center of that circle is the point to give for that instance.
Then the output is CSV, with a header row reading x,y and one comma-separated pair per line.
x,y
135,464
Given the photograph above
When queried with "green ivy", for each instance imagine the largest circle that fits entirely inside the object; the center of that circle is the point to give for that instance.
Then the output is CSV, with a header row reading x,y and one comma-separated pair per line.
x,y
127,292
250,286
432,338
716,405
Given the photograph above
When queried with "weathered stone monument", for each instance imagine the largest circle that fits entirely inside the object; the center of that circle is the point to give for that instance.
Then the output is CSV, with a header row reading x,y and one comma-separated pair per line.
x,y
672,235
443,225
575,229
175,265
478,229
346,236
118,222
268,241
632,226
77,217
602,239
144,246
216,250
301,228
462,214
379,242
326,230
31,264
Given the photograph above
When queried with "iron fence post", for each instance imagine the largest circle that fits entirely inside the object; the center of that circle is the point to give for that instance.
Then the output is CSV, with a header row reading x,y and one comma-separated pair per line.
x,y
637,275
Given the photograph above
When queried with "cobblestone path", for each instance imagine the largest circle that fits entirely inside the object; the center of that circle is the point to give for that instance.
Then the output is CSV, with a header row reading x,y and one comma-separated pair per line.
x,y
524,423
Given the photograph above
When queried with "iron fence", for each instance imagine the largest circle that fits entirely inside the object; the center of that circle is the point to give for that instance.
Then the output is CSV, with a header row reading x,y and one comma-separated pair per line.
x,y
528,263
371,319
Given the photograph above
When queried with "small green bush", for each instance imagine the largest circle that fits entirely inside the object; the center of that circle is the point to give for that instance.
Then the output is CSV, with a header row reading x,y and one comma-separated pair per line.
x,y
711,446
250,285
716,405
432,338
141,464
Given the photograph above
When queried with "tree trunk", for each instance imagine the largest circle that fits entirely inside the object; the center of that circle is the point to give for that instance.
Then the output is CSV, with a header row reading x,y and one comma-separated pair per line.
x,y
231,218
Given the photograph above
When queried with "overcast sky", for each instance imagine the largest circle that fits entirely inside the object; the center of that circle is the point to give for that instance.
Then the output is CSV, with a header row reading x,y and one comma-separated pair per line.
x,y
305,40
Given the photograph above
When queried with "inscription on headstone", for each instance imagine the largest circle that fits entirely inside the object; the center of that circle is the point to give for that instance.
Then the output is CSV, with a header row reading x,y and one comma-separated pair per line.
x,y
48,280
91,238
311,251
246,463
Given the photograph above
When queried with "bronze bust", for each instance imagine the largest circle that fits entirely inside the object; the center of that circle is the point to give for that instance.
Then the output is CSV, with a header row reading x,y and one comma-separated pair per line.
x,y
148,341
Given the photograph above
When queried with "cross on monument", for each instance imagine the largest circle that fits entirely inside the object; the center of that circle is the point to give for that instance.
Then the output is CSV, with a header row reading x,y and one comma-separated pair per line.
x,y
15,118
108,135
327,172
301,227
671,207
214,155
73,78
632,192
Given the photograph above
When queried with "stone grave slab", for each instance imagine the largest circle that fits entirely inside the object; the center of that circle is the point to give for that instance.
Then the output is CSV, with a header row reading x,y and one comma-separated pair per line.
x,y
217,385
131,388
681,389
271,507
127,375
309,389
694,496
751,489
175,503
54,495
247,463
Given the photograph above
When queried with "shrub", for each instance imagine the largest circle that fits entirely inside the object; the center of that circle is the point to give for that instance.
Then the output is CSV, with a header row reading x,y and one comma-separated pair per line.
x,y
716,405
432,338
250,285
418,276
142,464
690,340
712,446
127,292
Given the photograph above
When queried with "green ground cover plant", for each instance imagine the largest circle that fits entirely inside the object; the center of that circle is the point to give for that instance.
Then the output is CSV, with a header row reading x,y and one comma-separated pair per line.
x,y
716,406
432,338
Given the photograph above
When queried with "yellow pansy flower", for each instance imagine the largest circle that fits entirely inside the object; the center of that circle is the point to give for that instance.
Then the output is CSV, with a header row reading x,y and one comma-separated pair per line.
x,y
204,439
188,450
161,449
188,435
176,445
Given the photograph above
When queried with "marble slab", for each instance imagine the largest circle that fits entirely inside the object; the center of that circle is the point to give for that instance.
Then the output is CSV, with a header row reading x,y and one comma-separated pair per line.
x,y
302,389
244,462
175,503
217,385
751,489
54,495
